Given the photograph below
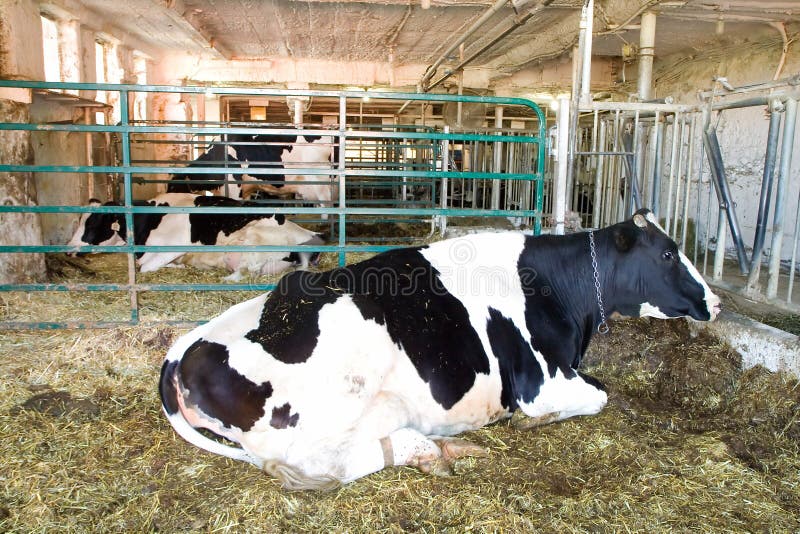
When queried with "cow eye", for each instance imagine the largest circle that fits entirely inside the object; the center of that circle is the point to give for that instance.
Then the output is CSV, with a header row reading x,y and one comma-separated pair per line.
x,y
668,255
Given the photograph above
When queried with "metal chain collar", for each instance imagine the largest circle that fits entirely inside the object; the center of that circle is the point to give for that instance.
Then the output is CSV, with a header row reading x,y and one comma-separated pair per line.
x,y
602,328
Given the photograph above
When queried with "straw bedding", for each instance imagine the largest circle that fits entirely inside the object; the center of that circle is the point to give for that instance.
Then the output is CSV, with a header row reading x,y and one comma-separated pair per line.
x,y
689,441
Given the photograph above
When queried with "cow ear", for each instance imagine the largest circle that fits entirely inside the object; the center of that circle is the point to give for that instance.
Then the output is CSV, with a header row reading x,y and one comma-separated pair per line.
x,y
624,238
639,220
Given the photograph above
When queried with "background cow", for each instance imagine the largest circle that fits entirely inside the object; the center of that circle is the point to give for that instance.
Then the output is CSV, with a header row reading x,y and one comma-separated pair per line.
x,y
109,229
202,228
335,375
263,151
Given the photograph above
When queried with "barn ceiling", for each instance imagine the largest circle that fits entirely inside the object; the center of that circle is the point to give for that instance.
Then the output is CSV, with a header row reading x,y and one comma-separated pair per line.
x,y
416,33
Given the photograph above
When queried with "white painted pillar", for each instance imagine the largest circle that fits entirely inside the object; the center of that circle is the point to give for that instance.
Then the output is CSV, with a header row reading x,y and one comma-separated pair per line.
x,y
647,40
587,23
560,200
297,116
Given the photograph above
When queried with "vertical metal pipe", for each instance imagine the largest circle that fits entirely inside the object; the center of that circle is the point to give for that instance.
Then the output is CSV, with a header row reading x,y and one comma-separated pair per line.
x,y
598,174
697,163
340,179
689,176
632,198
783,178
560,204
615,204
636,164
574,114
655,198
719,255
498,158
793,261
459,104
766,193
125,138
681,151
87,119
673,162
586,26
445,167
705,120
647,39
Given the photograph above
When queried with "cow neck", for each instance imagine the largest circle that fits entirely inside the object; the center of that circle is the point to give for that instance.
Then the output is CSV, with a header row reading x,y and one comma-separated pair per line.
x,y
563,282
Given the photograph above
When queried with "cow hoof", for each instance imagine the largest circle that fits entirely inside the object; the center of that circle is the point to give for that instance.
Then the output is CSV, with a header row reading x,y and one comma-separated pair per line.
x,y
455,448
524,422
439,467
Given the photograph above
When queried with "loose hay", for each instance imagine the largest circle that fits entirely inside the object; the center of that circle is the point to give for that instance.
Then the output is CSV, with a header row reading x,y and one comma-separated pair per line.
x,y
84,447
687,442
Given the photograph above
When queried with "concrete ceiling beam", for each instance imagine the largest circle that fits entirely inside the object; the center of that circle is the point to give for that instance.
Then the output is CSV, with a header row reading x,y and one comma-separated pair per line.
x,y
187,19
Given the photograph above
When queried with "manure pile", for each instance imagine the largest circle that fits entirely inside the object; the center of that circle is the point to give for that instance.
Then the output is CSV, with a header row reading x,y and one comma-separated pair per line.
x,y
687,442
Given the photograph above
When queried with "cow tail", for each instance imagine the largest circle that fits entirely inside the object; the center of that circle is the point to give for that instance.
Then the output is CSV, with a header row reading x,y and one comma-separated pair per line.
x,y
292,478
168,389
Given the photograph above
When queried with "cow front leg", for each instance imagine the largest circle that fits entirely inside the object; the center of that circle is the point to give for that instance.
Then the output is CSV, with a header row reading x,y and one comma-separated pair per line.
x,y
407,446
456,448
561,398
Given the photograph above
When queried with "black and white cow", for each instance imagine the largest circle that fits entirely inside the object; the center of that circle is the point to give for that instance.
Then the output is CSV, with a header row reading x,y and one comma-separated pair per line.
x,y
259,152
109,229
178,229
336,375
216,155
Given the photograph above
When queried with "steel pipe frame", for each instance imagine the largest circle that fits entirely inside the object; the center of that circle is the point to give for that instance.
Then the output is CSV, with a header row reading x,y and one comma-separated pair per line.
x,y
714,154
560,201
126,170
783,179
765,197
647,39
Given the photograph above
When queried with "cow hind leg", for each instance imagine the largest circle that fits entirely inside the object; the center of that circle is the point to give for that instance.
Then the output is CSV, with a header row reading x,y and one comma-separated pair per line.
x,y
151,261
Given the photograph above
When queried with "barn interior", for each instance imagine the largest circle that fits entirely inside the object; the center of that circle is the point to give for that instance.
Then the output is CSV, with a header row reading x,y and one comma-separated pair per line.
x,y
443,117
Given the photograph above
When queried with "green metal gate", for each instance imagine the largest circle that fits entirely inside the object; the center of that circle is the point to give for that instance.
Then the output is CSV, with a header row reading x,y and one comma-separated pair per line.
x,y
440,175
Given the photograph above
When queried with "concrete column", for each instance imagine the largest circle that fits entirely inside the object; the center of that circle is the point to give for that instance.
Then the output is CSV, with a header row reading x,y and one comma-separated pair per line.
x,y
647,40
20,57
88,60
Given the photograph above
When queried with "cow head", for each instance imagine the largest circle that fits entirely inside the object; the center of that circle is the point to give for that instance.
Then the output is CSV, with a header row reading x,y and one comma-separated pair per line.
x,y
653,278
98,229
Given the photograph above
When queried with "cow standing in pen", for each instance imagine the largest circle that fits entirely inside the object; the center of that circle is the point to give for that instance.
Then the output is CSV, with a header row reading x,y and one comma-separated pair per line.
x,y
336,375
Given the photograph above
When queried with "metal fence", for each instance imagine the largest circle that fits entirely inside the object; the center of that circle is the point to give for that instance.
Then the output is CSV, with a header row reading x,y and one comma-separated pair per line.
x,y
404,163
669,158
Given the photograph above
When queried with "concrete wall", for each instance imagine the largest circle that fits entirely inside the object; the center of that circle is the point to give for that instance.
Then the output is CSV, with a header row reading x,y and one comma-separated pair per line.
x,y
19,22
21,56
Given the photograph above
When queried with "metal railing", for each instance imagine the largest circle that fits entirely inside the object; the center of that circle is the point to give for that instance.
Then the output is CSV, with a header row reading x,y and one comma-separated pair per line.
x,y
436,176
668,158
